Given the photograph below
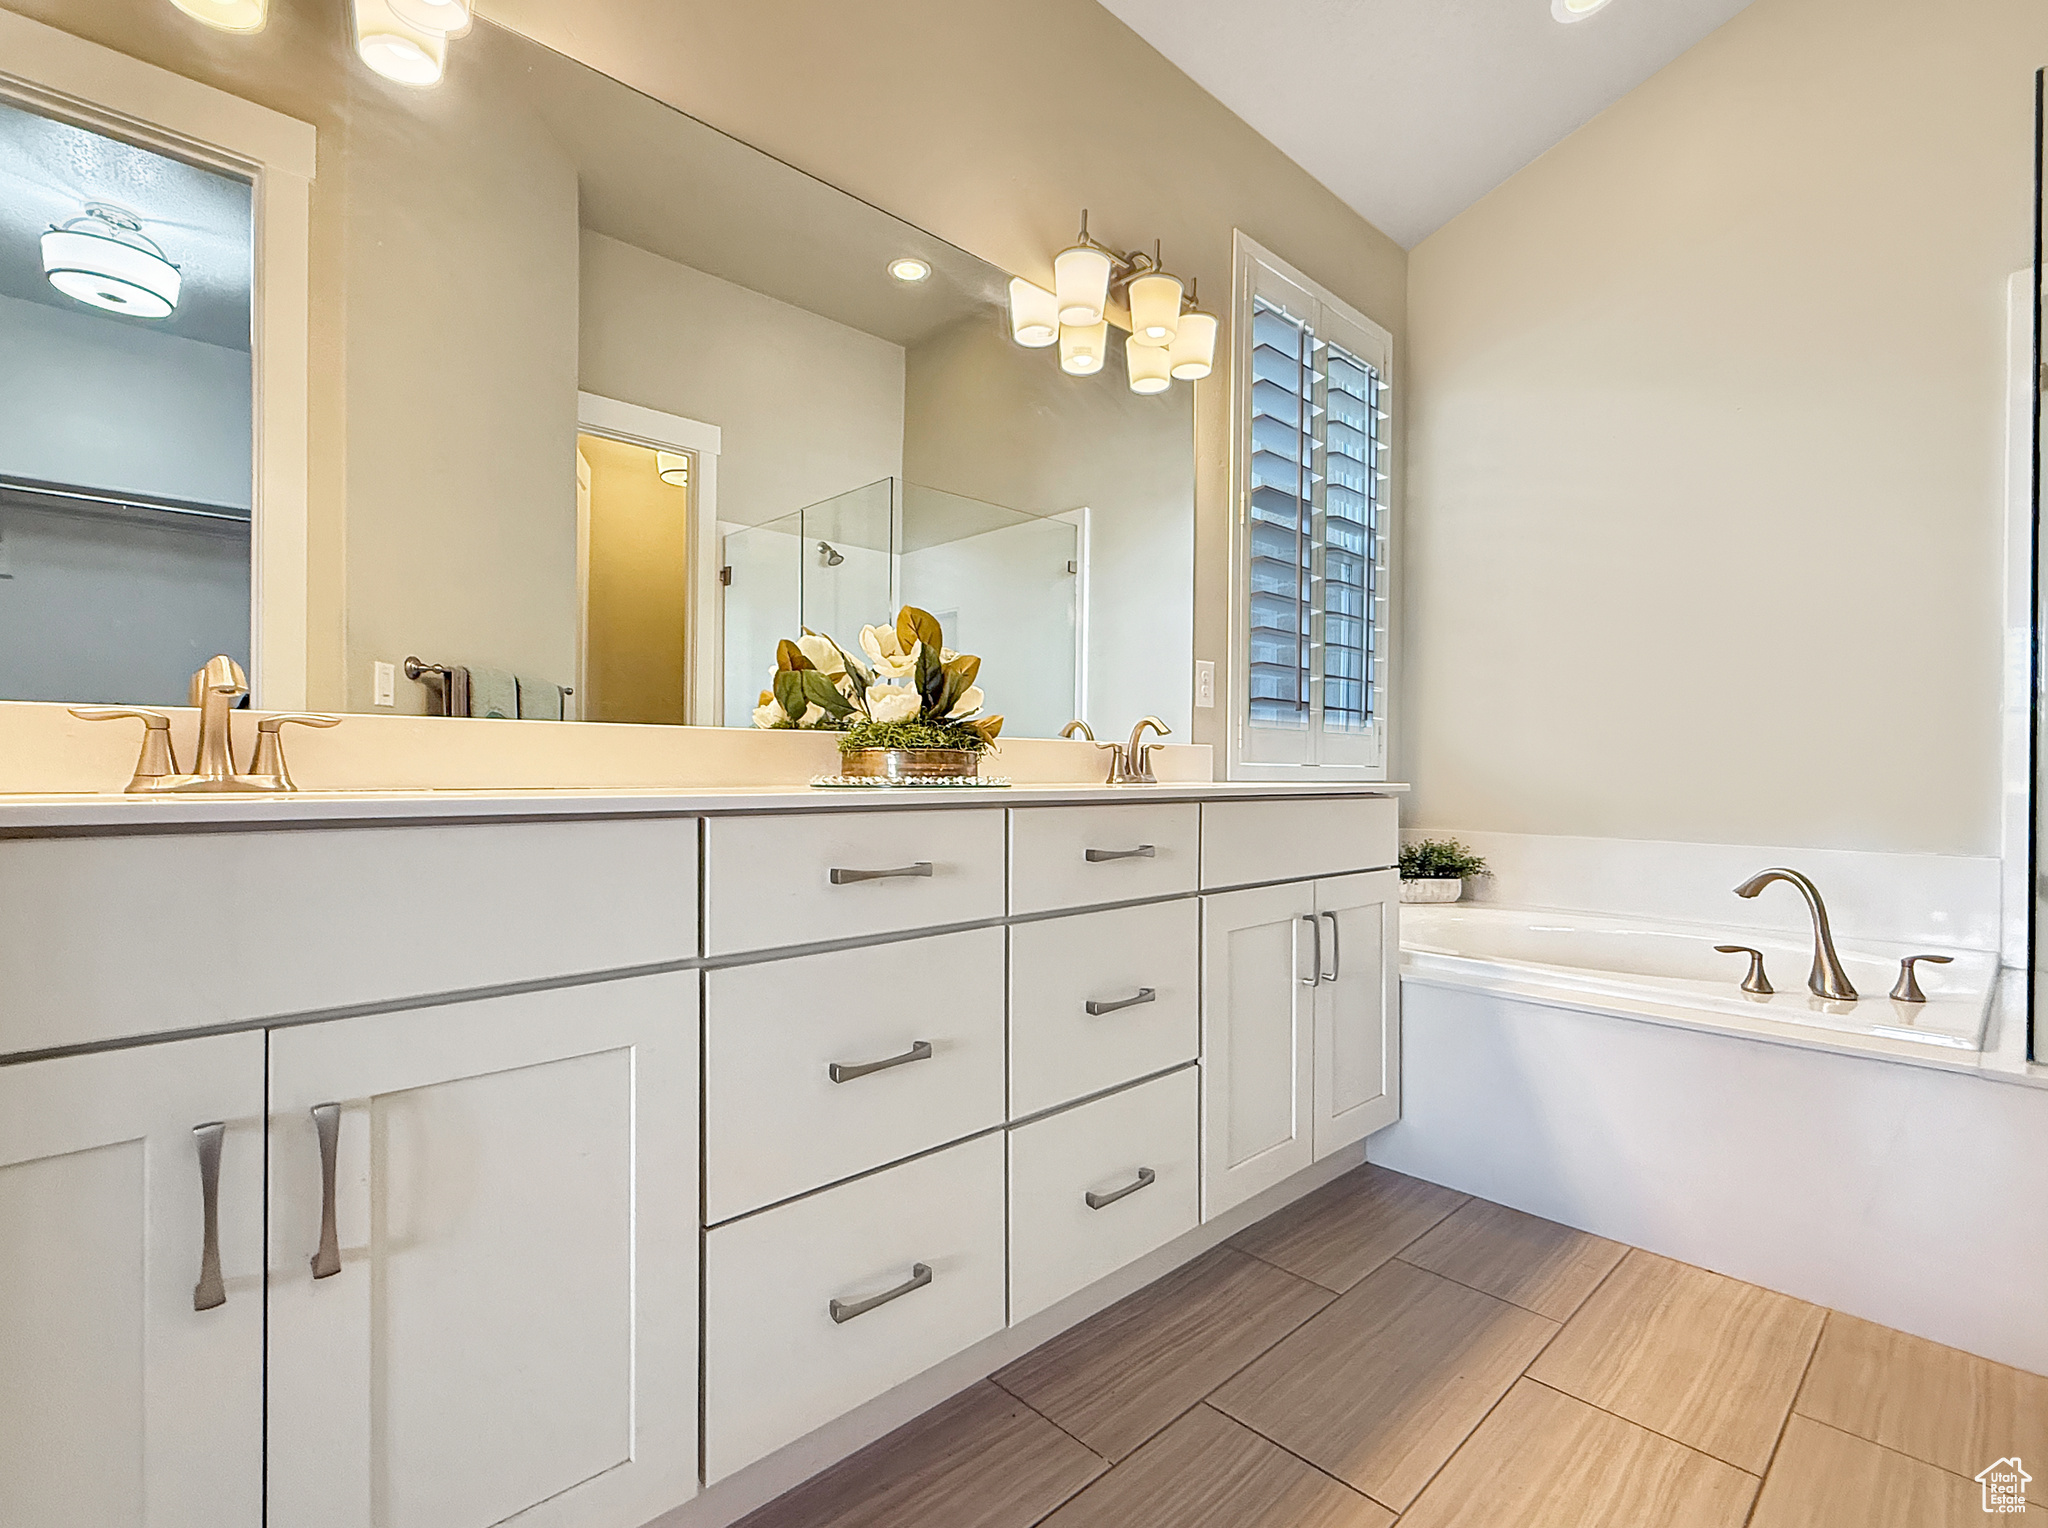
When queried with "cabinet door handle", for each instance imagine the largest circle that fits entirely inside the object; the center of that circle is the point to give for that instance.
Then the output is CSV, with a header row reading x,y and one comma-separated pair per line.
x,y
1145,995
327,1120
1315,965
1100,856
1336,952
846,1310
209,1291
846,1071
1146,1178
901,872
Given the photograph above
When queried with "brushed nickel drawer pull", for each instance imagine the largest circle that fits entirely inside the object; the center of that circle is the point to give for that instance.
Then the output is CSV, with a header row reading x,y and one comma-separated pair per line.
x,y
1145,995
327,1120
1101,856
923,868
1146,1178
1315,965
209,1291
1336,952
846,1071
846,1310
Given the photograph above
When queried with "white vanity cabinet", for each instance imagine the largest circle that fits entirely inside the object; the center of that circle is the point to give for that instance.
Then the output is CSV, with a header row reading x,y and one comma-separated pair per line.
x,y
483,1261
131,1196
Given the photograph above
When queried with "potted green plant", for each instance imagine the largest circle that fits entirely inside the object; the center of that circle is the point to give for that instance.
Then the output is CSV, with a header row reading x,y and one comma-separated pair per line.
x,y
1434,870
911,711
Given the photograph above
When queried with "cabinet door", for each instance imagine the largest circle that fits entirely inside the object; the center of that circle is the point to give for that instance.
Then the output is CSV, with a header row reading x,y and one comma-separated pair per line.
x,y
122,1403
511,1324
1357,1006
1257,1010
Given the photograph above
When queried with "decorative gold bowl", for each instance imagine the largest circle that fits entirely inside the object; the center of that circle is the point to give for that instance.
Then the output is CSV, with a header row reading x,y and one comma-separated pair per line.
x,y
909,763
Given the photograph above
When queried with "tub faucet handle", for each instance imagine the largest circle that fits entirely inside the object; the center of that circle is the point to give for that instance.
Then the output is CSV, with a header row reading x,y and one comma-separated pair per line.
x,y
1755,981
1908,988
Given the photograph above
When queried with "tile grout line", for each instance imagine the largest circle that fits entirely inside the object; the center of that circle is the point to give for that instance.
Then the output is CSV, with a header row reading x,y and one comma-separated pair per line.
x,y
1464,1200
1690,1448
1968,1480
1491,1295
1238,1421
1021,1401
1791,1410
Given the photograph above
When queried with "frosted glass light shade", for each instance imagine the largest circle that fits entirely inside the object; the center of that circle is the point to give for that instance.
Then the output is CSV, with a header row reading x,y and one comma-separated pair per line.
x,y
1155,308
1080,279
108,272
1034,314
396,49
1575,10
1081,347
1192,355
674,468
1150,366
228,15
445,18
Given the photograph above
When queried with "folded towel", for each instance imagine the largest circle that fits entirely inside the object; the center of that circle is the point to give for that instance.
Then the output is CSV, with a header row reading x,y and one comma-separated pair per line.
x,y
539,701
493,692
455,699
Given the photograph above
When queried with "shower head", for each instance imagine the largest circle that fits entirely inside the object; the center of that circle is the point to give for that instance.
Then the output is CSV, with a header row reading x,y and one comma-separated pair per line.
x,y
828,555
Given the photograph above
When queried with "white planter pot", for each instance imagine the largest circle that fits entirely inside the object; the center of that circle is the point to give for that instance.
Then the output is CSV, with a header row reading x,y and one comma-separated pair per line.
x,y
1433,889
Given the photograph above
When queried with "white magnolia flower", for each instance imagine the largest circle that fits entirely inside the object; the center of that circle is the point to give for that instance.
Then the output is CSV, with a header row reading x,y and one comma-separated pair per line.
x,y
968,703
890,659
824,654
768,713
893,703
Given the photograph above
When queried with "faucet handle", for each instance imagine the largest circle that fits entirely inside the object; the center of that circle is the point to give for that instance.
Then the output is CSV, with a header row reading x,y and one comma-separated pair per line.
x,y
268,765
156,761
1755,981
1908,988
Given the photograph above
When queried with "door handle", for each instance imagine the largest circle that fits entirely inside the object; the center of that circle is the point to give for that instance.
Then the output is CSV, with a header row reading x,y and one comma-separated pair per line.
x,y
846,1071
1102,856
1315,967
1146,1178
1336,952
923,868
846,1310
327,1120
209,1291
1145,995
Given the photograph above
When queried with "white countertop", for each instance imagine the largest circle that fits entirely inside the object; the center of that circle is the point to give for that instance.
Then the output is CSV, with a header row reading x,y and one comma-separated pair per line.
x,y
106,812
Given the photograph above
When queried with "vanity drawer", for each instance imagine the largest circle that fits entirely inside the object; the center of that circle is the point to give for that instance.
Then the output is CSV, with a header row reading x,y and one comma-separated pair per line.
x,y
1099,1186
777,1363
775,1122
119,936
1247,842
1058,1049
1144,849
768,881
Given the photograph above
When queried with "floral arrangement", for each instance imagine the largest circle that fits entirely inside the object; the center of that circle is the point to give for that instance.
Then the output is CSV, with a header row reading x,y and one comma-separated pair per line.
x,y
1439,859
912,692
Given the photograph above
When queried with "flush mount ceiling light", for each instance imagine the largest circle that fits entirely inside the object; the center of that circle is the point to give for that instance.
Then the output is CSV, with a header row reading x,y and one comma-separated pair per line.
x,y
1164,318
401,51
102,257
909,268
227,15
674,468
1576,10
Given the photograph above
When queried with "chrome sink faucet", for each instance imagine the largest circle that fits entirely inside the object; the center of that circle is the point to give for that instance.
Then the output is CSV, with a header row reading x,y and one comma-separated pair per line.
x,y
1827,978
215,689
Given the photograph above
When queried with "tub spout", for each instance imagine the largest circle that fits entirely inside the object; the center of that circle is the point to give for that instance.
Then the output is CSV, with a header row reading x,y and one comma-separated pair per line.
x,y
1827,978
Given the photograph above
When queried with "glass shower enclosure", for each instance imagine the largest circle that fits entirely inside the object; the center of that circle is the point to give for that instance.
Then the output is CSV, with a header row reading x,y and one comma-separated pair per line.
x,y
1006,584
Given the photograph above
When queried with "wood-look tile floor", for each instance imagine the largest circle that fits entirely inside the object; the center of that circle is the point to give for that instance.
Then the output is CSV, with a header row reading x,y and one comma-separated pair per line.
x,y
1387,1351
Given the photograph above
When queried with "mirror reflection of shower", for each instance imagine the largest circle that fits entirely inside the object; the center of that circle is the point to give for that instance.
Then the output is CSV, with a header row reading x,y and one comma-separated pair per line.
x,y
828,556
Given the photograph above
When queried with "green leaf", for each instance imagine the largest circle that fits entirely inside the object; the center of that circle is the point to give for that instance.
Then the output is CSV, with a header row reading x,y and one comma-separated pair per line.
x,y
915,625
959,675
820,691
989,727
789,656
789,693
931,677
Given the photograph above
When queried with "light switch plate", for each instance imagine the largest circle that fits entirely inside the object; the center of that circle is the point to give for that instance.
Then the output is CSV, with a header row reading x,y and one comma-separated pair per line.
x,y
384,684
1205,684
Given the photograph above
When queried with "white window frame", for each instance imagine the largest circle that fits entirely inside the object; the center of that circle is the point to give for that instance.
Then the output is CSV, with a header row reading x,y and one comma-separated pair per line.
x,y
50,71
1359,756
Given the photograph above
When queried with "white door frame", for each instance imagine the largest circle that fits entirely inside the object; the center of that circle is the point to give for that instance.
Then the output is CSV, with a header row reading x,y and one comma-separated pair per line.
x,y
50,71
703,670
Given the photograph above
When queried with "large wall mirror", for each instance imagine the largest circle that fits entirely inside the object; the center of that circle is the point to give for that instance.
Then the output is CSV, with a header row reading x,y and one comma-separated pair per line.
x,y
623,402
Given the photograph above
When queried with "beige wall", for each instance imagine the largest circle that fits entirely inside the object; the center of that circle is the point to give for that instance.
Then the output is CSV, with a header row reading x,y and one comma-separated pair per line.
x,y
1705,498
639,587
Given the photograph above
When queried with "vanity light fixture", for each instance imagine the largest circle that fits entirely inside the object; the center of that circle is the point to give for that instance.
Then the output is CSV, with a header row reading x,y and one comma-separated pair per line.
x,y
103,258
227,15
909,268
674,468
396,48
1164,318
1192,355
1081,347
1155,299
1576,10
444,18
1034,314
1080,280
1150,367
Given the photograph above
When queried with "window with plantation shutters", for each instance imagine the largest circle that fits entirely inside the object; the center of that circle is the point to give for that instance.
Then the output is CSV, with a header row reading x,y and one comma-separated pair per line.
x,y
1310,412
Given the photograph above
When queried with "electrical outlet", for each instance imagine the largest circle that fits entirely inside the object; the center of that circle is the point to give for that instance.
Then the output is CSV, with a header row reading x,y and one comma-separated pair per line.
x,y
384,684
1205,684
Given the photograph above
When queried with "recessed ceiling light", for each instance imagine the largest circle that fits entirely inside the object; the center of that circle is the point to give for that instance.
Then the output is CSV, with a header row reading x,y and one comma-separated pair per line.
x,y
1576,10
909,269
